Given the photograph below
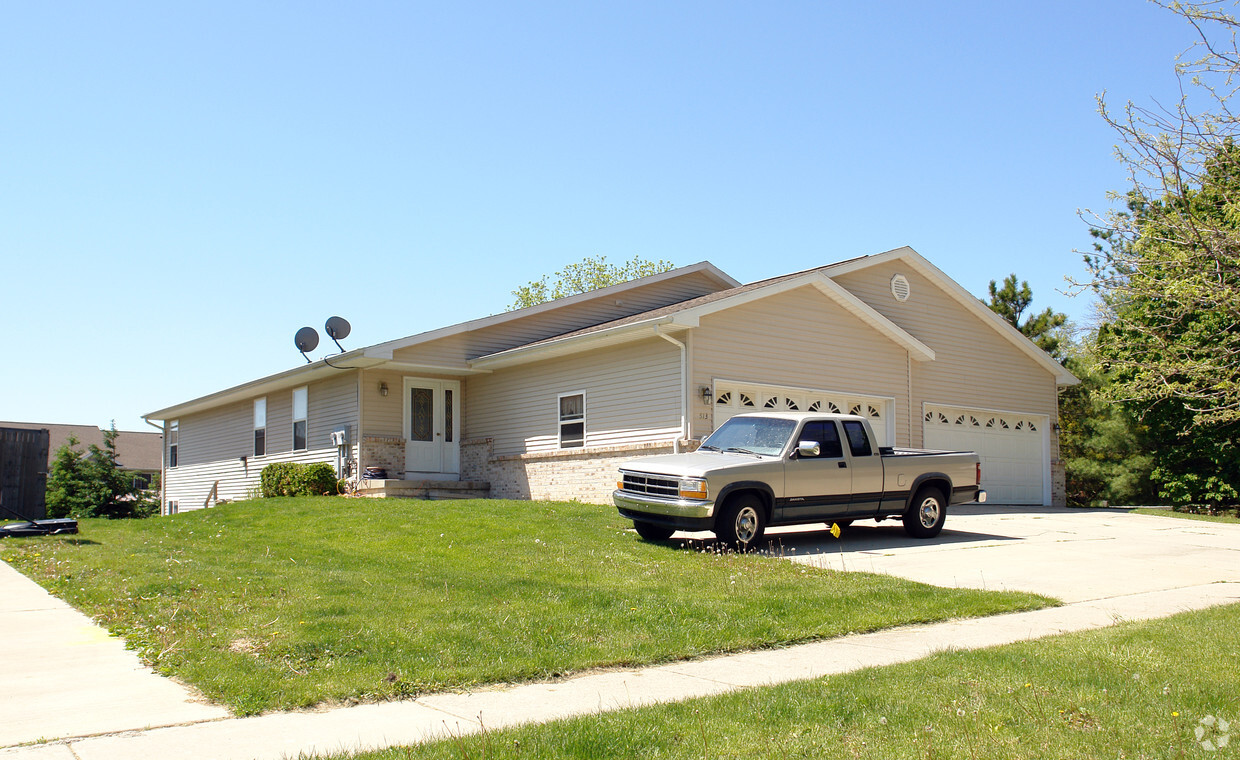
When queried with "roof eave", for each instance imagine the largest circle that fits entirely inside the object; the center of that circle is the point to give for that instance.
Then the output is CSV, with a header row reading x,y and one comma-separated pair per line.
x,y
279,381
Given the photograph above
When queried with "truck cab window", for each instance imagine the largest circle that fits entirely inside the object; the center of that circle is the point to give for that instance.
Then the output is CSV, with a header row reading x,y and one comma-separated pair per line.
x,y
858,441
827,436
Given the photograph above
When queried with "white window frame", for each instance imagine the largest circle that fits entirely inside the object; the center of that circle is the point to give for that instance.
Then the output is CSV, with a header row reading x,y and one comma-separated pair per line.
x,y
561,421
174,444
260,423
305,413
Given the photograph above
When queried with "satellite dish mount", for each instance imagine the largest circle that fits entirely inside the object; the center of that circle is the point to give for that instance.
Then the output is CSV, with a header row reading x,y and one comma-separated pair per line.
x,y
307,338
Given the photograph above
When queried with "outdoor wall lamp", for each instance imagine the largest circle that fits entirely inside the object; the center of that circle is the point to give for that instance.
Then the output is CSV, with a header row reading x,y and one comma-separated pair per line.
x,y
706,394
1055,427
382,388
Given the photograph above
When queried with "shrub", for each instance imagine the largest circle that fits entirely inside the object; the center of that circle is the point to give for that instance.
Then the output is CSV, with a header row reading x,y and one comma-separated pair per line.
x,y
296,479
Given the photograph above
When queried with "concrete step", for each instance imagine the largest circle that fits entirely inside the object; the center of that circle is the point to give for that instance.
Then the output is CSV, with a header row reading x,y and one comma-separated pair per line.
x,y
425,489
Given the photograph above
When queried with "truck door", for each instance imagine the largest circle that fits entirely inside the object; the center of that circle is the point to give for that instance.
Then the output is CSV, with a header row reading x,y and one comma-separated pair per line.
x,y
867,470
817,488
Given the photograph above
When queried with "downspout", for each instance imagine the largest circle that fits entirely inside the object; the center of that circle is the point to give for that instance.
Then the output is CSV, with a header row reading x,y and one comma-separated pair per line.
x,y
684,391
908,358
357,473
163,463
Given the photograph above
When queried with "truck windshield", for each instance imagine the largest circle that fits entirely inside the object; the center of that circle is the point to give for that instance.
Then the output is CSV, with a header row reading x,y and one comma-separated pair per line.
x,y
753,435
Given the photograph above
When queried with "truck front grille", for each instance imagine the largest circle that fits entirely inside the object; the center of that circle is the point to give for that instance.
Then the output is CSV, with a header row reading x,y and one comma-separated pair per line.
x,y
652,485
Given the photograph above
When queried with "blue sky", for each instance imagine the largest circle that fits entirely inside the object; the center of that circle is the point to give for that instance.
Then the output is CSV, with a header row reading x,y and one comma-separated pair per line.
x,y
182,187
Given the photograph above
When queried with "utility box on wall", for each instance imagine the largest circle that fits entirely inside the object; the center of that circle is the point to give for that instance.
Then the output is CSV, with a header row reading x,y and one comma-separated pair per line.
x,y
23,472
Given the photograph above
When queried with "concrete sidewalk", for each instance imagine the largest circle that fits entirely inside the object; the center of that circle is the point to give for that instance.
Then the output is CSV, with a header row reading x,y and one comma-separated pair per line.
x,y
1045,550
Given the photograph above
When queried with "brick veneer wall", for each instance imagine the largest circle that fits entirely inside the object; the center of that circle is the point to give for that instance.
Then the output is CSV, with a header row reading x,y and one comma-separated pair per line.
x,y
1059,483
385,452
587,475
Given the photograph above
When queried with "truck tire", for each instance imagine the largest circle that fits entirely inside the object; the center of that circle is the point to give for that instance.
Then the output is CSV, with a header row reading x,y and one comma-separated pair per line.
x,y
742,522
652,532
925,516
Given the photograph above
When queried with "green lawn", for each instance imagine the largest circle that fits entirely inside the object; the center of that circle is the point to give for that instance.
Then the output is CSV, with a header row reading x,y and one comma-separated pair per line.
x,y
1188,515
284,603
1132,691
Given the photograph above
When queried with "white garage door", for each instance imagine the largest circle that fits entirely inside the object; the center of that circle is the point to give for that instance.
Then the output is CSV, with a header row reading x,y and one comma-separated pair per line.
x,y
733,398
1012,447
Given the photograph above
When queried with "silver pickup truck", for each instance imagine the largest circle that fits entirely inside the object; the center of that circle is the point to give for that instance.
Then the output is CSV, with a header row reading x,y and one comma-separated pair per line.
x,y
789,468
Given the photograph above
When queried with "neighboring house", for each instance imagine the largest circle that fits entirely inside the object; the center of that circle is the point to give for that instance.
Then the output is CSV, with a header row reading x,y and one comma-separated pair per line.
x,y
138,452
547,401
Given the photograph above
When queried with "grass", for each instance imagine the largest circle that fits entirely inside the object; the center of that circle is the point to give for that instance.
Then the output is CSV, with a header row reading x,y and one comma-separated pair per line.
x,y
1132,691
287,603
1224,518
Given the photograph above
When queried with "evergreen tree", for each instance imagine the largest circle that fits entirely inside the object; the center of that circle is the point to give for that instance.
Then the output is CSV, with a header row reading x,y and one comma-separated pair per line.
x,y
1010,302
93,484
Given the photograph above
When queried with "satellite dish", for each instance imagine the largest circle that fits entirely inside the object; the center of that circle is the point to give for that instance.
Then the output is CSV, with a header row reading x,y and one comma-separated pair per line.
x,y
337,328
306,339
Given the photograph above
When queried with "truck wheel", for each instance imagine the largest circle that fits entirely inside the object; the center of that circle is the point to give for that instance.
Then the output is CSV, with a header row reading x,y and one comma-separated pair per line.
x,y
925,516
741,523
652,532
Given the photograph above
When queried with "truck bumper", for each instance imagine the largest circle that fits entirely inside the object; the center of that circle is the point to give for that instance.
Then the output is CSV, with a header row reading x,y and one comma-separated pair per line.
x,y
981,496
685,514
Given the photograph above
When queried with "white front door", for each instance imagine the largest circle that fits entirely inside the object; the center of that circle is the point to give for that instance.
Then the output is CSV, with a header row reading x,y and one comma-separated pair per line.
x,y
432,428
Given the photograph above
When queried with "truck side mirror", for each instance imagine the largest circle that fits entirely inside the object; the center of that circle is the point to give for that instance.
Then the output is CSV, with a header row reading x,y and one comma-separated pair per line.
x,y
809,449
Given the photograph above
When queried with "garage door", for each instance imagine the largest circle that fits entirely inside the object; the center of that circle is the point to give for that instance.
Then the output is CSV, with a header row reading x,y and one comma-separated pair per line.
x,y
1011,445
738,398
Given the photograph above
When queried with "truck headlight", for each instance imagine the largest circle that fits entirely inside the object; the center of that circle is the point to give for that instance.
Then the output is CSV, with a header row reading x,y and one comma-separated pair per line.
x,y
692,488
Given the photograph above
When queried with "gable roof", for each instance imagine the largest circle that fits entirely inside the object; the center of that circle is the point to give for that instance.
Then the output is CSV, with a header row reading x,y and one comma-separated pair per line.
x,y
966,299
381,354
667,319
687,314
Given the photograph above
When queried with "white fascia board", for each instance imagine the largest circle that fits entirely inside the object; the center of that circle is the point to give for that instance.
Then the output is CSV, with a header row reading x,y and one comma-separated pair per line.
x,y
918,350
282,380
574,344
966,299
703,267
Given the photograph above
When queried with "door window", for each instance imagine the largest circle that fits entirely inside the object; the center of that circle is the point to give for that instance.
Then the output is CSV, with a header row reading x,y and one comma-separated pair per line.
x,y
858,441
827,436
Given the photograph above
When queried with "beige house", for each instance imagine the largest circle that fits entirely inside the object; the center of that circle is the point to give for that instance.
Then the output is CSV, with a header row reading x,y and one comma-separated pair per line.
x,y
547,402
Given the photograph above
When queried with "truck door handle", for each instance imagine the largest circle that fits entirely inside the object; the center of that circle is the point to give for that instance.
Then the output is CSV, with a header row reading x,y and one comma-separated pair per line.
x,y
843,465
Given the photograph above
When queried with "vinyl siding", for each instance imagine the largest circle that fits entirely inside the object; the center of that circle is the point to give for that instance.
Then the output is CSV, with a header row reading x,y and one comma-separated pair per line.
x,y
385,415
632,396
803,339
212,443
975,365
452,351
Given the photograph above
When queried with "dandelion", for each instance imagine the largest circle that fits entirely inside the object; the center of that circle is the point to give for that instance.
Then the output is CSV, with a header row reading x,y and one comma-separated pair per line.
x,y
882,721
960,712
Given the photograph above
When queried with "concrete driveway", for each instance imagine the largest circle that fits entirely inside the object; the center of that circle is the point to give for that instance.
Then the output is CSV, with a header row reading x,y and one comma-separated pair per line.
x,y
1075,555
1107,565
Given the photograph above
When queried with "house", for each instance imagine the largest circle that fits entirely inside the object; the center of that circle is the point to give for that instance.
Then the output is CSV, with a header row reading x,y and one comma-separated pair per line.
x,y
547,401
137,451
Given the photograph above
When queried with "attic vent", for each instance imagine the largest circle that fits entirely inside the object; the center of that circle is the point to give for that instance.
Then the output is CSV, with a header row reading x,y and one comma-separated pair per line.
x,y
899,287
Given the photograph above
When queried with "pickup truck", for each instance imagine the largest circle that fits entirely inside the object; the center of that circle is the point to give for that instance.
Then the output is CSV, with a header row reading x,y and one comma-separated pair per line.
x,y
788,468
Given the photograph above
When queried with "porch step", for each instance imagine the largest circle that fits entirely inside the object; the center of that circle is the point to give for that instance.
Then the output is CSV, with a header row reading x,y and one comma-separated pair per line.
x,y
425,489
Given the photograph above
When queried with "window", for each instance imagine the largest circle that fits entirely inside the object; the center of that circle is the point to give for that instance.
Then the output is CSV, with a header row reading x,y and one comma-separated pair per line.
x,y
260,426
858,441
827,436
299,419
572,420
173,432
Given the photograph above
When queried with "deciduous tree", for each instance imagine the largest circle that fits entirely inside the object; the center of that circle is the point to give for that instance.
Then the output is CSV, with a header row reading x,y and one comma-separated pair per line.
x,y
591,273
1166,267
